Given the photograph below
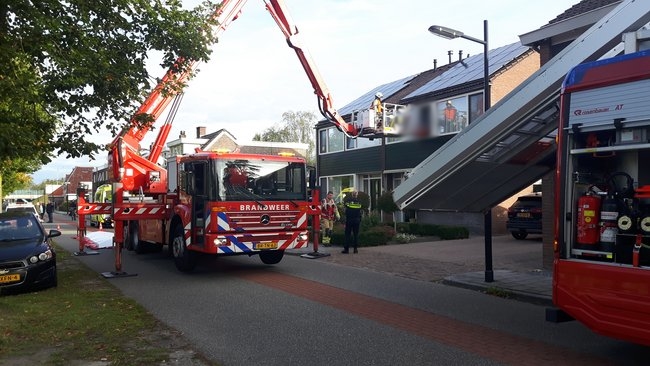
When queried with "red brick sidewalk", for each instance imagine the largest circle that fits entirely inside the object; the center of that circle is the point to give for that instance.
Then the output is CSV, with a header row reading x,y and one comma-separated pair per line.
x,y
480,340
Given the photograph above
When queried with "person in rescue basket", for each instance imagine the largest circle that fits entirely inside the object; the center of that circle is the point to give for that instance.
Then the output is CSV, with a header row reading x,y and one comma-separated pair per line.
x,y
352,221
330,214
378,106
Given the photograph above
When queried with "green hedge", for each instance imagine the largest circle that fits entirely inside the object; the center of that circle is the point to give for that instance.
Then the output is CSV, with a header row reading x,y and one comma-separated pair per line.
x,y
371,236
373,233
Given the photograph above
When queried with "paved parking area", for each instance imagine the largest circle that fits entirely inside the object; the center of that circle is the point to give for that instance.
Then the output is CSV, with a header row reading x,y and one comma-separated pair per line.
x,y
517,264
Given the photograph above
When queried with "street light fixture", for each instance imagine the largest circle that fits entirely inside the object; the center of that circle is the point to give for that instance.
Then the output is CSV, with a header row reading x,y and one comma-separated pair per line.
x,y
449,33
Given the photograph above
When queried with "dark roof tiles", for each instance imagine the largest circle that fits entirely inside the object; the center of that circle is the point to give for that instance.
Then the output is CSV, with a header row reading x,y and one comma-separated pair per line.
x,y
581,8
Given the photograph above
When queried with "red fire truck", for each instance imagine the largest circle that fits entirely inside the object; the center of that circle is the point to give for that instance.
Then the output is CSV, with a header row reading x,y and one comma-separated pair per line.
x,y
210,202
602,230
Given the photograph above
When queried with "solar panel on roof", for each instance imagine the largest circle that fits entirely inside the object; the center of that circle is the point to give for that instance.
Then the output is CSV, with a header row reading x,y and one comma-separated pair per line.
x,y
366,99
471,69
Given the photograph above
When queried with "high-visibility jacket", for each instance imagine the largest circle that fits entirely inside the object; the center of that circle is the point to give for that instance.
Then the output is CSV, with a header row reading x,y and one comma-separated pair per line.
x,y
378,106
352,209
450,114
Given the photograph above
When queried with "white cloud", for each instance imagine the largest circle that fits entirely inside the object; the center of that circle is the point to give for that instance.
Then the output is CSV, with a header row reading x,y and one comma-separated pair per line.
x,y
254,77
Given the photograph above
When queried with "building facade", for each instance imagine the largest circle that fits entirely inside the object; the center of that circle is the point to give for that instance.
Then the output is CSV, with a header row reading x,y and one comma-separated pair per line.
x,y
441,102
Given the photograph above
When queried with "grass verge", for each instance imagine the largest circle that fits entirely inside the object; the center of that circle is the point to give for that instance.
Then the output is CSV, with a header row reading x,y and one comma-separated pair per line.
x,y
85,320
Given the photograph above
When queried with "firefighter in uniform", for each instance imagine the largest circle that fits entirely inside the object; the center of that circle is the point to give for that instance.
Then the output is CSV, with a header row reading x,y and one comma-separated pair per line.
x,y
329,214
378,107
451,115
352,221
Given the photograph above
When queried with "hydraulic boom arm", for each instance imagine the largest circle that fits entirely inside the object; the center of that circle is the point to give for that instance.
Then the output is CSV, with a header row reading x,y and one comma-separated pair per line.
x,y
125,147
136,172
280,14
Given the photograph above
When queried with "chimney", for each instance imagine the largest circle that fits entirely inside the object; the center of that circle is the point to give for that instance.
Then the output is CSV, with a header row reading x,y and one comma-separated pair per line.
x,y
182,135
449,53
200,131
435,63
460,55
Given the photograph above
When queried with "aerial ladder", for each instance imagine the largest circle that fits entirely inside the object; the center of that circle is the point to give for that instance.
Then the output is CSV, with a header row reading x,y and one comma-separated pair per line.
x,y
482,145
140,184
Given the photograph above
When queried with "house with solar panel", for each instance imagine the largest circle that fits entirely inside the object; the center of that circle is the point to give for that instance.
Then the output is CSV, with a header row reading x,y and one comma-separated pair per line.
x,y
440,103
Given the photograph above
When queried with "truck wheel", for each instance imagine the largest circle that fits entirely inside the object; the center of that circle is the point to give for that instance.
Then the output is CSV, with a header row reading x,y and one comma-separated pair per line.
x,y
134,239
519,235
184,259
126,238
272,257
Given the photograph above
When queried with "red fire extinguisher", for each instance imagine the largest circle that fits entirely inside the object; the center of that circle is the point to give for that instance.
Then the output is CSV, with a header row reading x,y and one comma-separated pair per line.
x,y
588,214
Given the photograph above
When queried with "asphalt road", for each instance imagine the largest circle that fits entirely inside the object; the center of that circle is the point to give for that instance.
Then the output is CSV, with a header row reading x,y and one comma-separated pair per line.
x,y
238,311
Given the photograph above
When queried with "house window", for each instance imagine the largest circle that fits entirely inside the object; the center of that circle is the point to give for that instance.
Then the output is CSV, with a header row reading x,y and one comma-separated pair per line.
x,y
350,143
338,185
330,140
452,115
398,178
334,140
364,142
420,122
476,106
322,141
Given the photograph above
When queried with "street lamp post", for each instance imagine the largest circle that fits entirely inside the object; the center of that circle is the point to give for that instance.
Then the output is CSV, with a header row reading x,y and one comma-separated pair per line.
x,y
449,33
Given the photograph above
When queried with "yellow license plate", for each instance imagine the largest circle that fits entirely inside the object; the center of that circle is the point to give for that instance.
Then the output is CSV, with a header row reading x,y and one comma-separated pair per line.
x,y
524,214
10,278
266,245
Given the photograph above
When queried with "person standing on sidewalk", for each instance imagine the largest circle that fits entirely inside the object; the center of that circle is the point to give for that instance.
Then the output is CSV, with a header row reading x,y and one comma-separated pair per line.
x,y
50,211
352,221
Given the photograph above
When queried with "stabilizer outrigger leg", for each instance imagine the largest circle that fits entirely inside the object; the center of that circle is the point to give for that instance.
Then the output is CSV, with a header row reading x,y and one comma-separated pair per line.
x,y
119,231
81,223
315,227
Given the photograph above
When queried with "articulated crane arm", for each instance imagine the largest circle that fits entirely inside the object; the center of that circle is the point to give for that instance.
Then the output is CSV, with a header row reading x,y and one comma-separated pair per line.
x,y
280,14
138,173
128,167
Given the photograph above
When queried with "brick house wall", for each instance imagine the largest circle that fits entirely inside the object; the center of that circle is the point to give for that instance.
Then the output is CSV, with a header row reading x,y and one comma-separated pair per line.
x,y
504,82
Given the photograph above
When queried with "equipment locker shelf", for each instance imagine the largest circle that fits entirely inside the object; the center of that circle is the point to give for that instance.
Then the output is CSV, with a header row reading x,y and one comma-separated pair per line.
x,y
598,150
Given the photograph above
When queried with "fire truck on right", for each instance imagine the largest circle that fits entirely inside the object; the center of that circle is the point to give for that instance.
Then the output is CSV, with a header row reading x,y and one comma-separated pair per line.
x,y
602,198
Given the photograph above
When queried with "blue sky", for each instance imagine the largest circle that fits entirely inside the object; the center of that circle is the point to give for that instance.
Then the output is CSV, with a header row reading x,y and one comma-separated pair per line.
x,y
254,76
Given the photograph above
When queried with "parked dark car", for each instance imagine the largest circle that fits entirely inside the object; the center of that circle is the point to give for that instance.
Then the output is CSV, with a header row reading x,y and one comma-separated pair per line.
x,y
27,258
525,216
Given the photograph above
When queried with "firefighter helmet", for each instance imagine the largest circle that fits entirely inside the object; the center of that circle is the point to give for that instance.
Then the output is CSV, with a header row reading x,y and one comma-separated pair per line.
x,y
379,95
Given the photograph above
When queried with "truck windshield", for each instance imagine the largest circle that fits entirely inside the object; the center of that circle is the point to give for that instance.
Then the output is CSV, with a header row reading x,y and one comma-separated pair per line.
x,y
261,179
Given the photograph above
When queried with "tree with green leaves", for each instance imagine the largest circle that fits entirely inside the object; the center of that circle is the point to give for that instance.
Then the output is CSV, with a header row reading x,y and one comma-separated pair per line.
x,y
73,68
14,174
294,127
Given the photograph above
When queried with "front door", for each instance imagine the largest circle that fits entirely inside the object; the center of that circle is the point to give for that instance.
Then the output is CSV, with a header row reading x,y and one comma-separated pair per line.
x,y
372,186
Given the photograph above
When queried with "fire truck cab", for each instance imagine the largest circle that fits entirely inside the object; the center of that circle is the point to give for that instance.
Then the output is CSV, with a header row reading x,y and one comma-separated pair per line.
x,y
229,204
